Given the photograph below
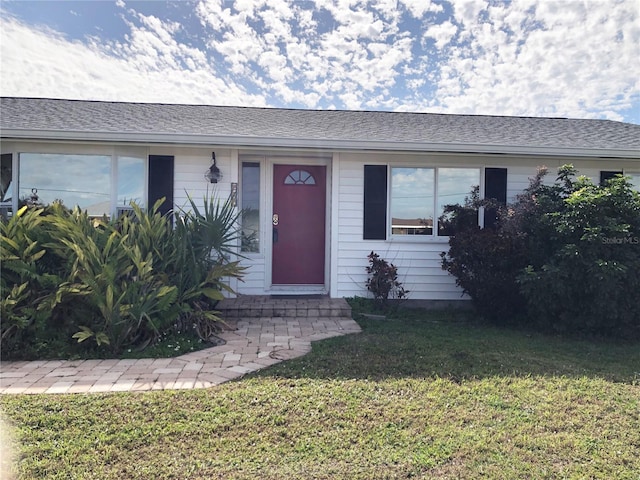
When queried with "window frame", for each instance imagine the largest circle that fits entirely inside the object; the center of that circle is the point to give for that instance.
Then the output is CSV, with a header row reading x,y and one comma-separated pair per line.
x,y
260,160
433,237
114,152
304,182
255,162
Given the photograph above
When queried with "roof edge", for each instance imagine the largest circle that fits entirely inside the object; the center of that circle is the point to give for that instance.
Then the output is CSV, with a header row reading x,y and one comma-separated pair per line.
x,y
290,109
349,145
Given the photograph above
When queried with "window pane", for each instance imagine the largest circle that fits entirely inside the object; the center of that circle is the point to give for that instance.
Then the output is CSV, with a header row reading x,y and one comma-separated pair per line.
x,y
82,180
299,177
635,180
130,181
251,207
454,184
412,201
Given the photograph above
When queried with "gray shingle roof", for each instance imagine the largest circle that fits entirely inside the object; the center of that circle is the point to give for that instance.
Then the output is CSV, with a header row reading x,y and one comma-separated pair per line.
x,y
251,127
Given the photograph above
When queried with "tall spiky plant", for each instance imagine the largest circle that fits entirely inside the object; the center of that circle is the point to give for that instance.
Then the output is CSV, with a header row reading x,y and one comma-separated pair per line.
x,y
205,241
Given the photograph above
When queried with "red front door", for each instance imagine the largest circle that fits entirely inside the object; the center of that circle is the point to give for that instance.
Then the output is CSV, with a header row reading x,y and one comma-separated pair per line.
x,y
298,224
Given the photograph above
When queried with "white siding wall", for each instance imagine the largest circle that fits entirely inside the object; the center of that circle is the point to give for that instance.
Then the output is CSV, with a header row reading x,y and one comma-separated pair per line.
x,y
189,168
520,170
419,261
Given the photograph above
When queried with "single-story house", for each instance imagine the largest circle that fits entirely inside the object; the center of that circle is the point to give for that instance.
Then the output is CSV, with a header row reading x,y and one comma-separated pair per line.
x,y
321,189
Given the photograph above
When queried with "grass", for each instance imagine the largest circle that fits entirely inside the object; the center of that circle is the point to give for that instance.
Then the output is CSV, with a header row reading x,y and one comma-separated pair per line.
x,y
60,346
171,344
420,395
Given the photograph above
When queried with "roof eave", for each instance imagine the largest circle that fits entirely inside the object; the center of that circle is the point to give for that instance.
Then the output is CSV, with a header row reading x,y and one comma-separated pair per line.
x,y
316,144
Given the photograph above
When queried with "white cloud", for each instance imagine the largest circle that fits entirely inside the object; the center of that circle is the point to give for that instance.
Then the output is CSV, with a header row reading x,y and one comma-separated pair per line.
x,y
388,9
543,58
275,65
46,64
419,8
467,12
442,33
360,52
530,57
352,100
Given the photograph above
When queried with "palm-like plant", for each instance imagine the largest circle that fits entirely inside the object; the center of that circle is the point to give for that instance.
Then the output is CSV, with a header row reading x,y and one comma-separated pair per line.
x,y
205,240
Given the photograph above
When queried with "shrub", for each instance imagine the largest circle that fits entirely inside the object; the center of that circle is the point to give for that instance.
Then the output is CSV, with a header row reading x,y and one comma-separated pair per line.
x,y
126,302
563,257
111,284
590,282
383,280
485,262
204,241
27,283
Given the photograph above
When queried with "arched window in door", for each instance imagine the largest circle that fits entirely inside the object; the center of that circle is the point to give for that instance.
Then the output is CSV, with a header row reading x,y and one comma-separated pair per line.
x,y
299,177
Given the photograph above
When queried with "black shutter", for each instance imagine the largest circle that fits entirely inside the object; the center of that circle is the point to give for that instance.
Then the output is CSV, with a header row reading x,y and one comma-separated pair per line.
x,y
6,168
161,181
375,202
495,187
606,175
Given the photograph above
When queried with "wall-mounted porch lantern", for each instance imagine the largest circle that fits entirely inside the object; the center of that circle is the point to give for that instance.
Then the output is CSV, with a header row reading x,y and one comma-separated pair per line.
x,y
213,174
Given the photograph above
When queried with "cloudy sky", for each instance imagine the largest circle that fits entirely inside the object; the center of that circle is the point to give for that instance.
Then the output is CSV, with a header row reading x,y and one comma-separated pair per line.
x,y
569,58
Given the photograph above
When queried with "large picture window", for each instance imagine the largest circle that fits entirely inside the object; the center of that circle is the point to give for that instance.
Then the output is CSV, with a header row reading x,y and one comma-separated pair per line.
x,y
96,183
635,180
419,195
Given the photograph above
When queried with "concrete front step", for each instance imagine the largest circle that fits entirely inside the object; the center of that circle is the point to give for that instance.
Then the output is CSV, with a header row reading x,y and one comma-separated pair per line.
x,y
253,306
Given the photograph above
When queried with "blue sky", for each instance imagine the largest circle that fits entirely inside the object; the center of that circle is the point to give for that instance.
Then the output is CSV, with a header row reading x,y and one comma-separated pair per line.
x,y
568,58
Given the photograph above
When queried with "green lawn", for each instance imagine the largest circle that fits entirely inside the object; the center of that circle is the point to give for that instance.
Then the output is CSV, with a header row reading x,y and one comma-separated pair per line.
x,y
417,396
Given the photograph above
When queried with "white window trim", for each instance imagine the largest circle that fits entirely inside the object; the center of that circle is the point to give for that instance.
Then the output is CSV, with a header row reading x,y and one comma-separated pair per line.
x,y
56,149
260,160
434,237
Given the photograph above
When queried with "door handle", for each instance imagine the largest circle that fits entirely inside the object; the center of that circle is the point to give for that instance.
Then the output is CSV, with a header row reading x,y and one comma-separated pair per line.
x,y
275,235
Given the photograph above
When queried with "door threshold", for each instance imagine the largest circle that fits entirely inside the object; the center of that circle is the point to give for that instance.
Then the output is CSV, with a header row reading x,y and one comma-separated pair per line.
x,y
297,290
302,296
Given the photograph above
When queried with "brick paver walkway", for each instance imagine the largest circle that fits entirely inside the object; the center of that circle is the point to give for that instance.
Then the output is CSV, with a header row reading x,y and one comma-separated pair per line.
x,y
255,343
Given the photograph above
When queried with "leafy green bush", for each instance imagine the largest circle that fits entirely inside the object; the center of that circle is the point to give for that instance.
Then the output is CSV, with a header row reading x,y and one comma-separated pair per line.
x,y
112,284
591,281
383,281
24,284
563,257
